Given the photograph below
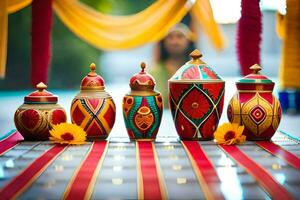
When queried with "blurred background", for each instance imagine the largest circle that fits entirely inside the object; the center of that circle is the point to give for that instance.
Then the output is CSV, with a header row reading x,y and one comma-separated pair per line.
x,y
72,56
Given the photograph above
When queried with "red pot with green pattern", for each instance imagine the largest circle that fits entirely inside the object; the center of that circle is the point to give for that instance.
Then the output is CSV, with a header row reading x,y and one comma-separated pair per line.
x,y
196,98
142,107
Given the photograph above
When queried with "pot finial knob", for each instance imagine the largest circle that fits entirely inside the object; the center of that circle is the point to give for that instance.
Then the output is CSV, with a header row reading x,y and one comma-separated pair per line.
x,y
93,70
41,86
256,68
143,66
196,55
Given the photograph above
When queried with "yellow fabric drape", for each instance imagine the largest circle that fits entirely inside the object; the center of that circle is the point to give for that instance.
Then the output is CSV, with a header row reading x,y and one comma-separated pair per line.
x,y
288,29
203,13
280,25
105,20
122,32
16,5
7,7
3,36
118,32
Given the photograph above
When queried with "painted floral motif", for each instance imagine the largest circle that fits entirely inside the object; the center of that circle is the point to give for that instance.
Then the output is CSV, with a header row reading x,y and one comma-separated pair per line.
x,y
195,113
34,123
195,104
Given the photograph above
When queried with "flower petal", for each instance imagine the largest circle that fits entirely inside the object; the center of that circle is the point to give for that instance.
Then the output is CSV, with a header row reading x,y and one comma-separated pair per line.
x,y
78,134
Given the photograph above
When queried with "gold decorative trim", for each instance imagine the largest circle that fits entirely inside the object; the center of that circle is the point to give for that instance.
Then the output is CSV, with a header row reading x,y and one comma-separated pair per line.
x,y
196,81
143,139
141,87
142,93
92,88
254,91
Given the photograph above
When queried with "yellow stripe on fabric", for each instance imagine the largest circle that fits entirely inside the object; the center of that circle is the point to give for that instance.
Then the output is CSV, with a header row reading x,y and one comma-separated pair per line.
x,y
140,184
162,184
96,172
68,187
90,189
204,186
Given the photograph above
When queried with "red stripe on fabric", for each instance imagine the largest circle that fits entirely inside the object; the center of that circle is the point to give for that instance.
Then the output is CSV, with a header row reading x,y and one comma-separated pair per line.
x,y
281,153
208,177
23,180
275,190
79,188
10,142
150,177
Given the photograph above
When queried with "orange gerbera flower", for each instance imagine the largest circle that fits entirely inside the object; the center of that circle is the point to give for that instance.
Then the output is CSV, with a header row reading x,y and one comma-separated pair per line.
x,y
66,133
229,134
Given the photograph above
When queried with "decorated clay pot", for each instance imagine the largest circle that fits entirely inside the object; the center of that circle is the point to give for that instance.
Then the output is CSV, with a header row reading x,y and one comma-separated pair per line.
x,y
38,114
93,108
255,107
142,107
196,97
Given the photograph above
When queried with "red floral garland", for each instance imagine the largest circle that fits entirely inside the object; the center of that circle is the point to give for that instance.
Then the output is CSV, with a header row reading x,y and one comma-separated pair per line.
x,y
249,35
41,40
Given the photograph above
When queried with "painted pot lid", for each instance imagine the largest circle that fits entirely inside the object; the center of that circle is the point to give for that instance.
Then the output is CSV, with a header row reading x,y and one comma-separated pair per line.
x,y
255,77
92,81
195,70
142,80
41,95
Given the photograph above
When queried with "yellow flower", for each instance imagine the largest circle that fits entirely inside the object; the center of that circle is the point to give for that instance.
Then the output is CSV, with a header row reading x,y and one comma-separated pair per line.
x,y
229,134
66,133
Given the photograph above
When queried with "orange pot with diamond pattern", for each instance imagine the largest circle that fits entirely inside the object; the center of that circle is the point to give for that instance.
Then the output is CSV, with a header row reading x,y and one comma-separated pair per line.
x,y
93,108
255,107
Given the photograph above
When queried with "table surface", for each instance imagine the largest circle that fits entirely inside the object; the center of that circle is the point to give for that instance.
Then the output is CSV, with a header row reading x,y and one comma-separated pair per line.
x,y
117,178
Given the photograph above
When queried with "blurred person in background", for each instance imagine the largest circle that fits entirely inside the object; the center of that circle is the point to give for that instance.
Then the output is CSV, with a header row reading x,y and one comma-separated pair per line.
x,y
171,53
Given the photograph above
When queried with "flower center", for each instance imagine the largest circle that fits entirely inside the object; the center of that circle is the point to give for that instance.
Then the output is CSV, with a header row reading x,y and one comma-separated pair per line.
x,y
195,105
67,136
229,135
